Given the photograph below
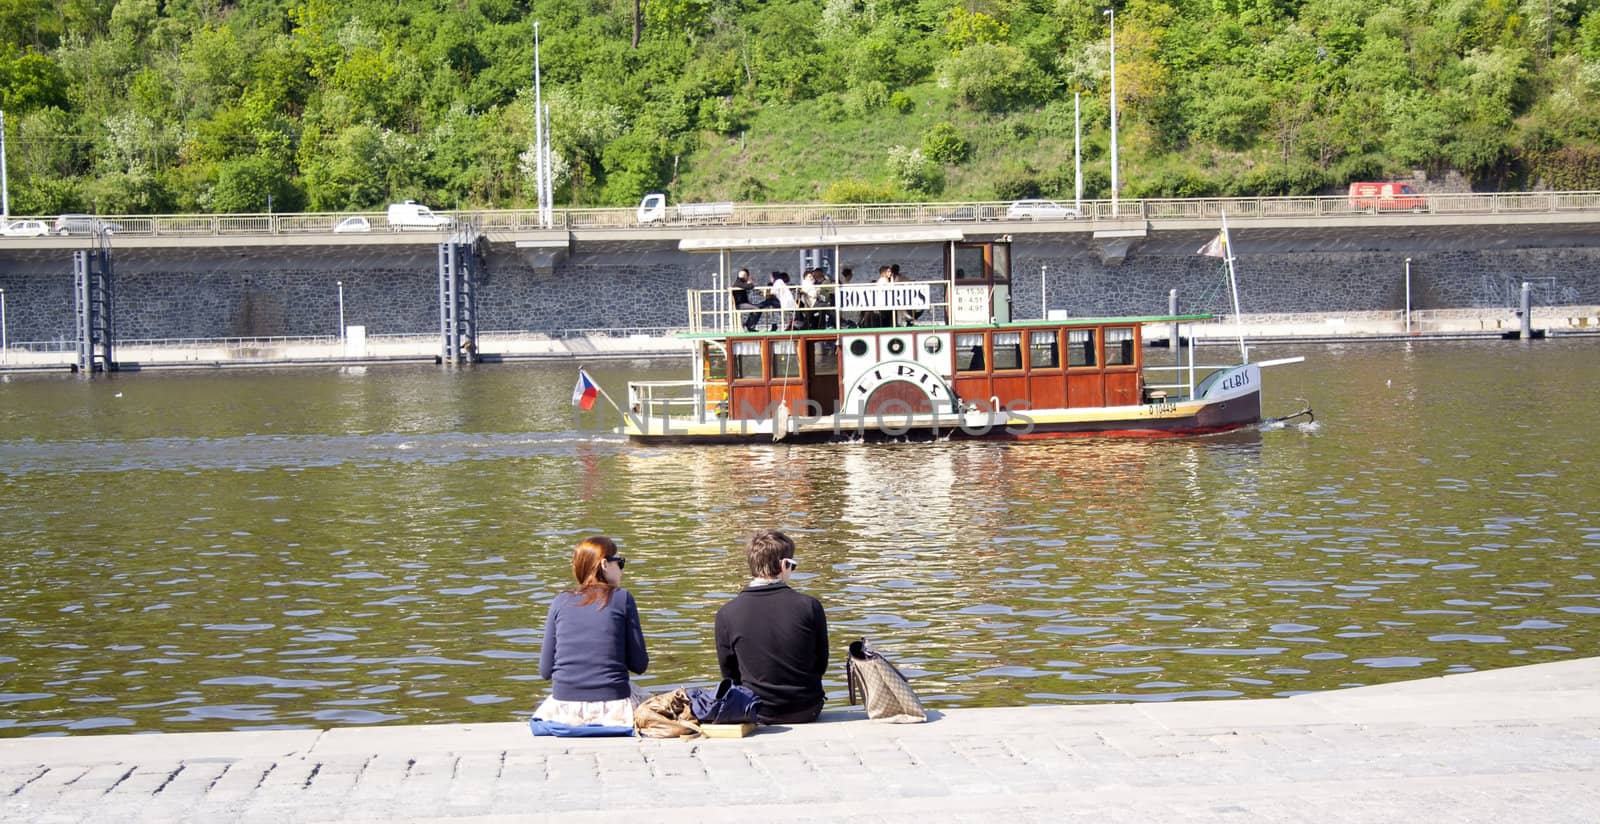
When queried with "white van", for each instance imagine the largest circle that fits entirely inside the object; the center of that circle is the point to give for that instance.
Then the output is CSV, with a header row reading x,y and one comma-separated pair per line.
x,y
414,215
653,209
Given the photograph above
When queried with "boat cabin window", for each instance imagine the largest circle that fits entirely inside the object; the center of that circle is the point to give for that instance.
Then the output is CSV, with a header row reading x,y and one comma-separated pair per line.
x,y
1007,350
824,357
716,363
1042,351
969,263
785,359
1119,347
1080,348
969,352
747,360
1001,261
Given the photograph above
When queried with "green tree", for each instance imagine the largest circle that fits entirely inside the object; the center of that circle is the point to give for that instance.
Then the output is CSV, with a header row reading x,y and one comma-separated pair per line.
x,y
245,185
992,77
347,171
30,81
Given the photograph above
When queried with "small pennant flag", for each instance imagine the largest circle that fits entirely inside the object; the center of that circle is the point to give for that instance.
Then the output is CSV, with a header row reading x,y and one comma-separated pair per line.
x,y
1217,248
584,393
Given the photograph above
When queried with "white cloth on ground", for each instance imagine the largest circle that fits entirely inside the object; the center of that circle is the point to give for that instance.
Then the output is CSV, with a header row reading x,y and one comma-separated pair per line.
x,y
614,713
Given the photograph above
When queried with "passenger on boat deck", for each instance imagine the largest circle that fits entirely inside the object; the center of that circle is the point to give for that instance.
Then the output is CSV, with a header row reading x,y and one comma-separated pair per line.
x,y
848,319
744,300
773,639
781,297
908,316
808,288
592,640
821,301
881,317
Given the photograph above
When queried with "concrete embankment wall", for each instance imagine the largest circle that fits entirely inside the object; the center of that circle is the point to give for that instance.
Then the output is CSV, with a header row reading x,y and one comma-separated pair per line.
x,y
289,292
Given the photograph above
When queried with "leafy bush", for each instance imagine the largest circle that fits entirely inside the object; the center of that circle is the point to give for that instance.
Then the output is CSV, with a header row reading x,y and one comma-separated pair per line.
x,y
750,189
1170,182
852,190
830,108
901,102
719,115
915,171
1016,181
944,144
1277,180
1570,168
866,98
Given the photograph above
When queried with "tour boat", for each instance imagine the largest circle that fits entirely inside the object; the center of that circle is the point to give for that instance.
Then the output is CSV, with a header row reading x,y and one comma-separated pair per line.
x,y
918,360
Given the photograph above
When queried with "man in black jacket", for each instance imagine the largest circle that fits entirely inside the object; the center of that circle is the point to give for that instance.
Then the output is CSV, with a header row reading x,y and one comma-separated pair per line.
x,y
746,300
773,639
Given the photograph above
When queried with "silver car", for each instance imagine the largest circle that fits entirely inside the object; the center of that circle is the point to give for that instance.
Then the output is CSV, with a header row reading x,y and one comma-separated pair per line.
x,y
84,225
1040,210
25,228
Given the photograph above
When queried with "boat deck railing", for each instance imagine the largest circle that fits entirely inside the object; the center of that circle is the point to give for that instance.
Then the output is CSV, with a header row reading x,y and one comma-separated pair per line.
x,y
1178,382
658,400
712,311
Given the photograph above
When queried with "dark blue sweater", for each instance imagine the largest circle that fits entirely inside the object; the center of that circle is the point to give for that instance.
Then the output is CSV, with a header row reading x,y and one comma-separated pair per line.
x,y
774,640
590,649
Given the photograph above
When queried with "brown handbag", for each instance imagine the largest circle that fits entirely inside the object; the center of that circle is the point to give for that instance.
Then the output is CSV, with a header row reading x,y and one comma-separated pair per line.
x,y
884,691
668,715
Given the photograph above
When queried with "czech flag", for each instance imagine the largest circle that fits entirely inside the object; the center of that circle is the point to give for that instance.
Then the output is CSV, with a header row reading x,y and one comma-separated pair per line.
x,y
584,393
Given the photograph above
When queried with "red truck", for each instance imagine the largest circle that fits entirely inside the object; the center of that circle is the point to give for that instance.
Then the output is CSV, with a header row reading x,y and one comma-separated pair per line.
x,y
1386,197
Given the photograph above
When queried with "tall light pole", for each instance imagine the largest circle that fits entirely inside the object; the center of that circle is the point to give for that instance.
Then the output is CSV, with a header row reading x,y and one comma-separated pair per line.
x,y
1408,297
538,127
1112,14
3,346
5,191
340,284
1077,152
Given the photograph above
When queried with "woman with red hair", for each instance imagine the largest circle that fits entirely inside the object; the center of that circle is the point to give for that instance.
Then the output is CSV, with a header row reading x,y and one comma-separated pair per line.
x,y
592,640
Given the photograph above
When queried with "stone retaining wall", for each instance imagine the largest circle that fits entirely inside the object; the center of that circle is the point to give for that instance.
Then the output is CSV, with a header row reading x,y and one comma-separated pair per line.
x,y
225,298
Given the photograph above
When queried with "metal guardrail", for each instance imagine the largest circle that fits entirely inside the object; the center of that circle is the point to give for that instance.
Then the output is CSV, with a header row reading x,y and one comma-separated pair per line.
x,y
876,214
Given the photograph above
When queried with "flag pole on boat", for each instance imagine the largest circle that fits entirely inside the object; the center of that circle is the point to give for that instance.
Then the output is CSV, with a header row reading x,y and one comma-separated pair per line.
x,y
1233,285
584,380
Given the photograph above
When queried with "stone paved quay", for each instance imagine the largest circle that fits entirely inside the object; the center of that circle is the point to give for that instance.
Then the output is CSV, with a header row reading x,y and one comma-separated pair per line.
x,y
1512,745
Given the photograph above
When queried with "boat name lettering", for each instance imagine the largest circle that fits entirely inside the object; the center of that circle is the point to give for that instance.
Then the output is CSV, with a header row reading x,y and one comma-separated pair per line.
x,y
1235,381
885,296
909,371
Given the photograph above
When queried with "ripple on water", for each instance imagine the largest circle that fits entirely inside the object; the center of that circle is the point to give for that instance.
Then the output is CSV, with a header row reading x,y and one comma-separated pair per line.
x,y
1270,564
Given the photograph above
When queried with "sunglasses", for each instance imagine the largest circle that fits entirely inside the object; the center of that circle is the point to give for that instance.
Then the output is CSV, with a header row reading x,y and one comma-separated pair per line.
x,y
791,564
622,563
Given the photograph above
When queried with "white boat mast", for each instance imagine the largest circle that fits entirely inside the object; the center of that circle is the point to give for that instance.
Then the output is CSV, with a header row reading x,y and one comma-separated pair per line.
x,y
1233,285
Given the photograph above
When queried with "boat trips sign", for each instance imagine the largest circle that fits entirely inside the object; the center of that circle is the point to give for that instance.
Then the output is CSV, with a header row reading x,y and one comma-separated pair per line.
x,y
879,296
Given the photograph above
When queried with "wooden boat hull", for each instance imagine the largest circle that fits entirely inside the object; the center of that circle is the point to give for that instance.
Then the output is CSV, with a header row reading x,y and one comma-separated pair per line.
x,y
1230,400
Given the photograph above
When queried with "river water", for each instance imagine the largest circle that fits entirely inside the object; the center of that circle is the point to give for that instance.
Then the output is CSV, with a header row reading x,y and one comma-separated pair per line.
x,y
309,548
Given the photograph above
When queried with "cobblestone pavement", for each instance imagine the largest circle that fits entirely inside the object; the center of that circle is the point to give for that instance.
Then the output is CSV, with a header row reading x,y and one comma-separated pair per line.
x,y
1515,745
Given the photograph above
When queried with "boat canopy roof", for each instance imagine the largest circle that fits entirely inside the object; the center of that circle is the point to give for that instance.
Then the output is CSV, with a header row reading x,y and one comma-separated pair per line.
x,y
1021,324
841,237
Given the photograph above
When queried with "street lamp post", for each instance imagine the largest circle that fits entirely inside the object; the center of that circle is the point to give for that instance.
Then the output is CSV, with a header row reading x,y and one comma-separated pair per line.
x,y
340,284
1112,14
3,346
1408,297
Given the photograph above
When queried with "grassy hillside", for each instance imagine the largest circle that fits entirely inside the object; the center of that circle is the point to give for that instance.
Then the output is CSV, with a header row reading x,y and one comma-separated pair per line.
x,y
137,106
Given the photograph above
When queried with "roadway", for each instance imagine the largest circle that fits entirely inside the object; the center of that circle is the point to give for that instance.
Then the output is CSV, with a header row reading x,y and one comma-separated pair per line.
x,y
1323,223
